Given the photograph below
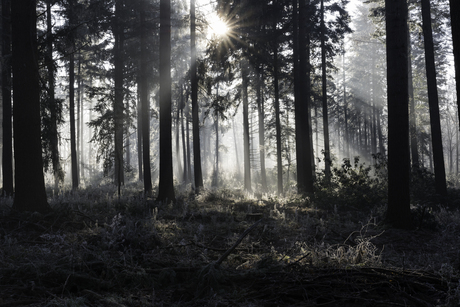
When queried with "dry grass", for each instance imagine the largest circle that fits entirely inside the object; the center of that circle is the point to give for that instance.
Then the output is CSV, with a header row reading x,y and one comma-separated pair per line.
x,y
94,250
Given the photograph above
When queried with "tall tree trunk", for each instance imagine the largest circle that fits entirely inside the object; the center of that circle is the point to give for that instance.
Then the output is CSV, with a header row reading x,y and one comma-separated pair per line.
x,y
327,153
412,117
261,118
144,118
435,120
247,156
73,142
30,194
345,109
398,211
238,168
189,160
145,107
455,23
279,163
304,149
118,33
7,150
139,129
195,114
166,185
54,143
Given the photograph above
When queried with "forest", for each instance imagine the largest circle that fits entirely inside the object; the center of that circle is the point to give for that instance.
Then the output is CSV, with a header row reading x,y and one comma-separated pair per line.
x,y
230,153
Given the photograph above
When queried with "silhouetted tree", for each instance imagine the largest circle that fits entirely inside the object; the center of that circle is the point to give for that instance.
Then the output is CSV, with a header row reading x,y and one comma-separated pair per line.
x,y
30,194
435,120
166,185
7,149
194,88
398,211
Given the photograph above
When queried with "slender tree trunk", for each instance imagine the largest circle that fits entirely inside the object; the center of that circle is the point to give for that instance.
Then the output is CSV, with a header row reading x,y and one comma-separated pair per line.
x,y
184,148
7,150
238,168
247,158
455,23
166,185
345,109
435,120
195,117
118,32
304,149
412,117
73,141
398,211
279,163
261,117
139,129
145,107
327,153
30,194
55,160
189,160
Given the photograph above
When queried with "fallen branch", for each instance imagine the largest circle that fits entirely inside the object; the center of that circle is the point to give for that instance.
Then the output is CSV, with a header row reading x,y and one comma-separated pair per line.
x,y
231,249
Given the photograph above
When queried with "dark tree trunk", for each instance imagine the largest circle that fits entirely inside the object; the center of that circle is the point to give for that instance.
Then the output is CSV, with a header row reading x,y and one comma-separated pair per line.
x,y
412,117
7,150
398,211
195,117
261,117
304,149
455,23
279,164
55,160
145,107
139,132
435,120
118,33
189,159
247,156
327,154
345,110
166,185
30,194
73,142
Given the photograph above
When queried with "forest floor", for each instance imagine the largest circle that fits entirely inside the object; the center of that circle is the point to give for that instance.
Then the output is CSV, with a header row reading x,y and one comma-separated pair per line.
x,y
98,250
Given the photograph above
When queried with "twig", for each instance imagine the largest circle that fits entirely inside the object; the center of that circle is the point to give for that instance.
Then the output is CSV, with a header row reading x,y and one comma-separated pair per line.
x,y
230,250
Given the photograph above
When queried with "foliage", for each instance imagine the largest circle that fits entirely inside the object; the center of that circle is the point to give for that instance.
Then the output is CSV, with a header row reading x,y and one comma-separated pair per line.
x,y
352,184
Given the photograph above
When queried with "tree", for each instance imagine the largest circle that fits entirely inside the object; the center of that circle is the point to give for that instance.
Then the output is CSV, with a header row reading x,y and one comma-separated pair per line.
x,y
194,87
7,149
30,194
327,154
247,158
435,120
166,185
455,23
118,114
145,107
302,92
398,211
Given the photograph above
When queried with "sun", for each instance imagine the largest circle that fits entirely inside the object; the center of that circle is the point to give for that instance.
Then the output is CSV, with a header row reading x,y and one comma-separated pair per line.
x,y
217,27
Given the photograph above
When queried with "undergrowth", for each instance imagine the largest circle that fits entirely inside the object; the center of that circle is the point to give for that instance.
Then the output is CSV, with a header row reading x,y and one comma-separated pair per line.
x,y
97,249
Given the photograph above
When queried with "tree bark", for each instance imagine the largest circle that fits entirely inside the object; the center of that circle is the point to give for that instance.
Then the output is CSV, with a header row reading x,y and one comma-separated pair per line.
x,y
118,34
73,142
261,117
398,211
247,156
7,150
327,153
30,194
279,164
301,54
166,185
195,116
435,120
455,23
145,107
